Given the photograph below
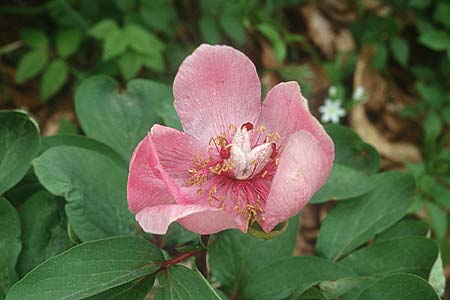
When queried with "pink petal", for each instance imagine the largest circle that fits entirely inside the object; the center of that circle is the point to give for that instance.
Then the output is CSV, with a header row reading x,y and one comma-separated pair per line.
x,y
215,87
209,222
304,167
197,218
285,111
173,153
143,188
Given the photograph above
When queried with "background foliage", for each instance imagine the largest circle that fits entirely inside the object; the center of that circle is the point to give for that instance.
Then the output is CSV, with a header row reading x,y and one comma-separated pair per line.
x,y
83,81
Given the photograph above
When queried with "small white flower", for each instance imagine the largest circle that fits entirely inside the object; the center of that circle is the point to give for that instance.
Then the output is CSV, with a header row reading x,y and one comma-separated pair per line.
x,y
332,111
359,93
332,91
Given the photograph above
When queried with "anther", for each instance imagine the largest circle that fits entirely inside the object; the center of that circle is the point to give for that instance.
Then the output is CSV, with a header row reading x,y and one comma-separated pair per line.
x,y
225,152
274,151
248,126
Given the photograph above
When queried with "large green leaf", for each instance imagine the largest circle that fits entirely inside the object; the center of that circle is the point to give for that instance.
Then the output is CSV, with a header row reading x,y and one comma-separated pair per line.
x,y
235,256
134,290
19,143
88,269
181,283
9,245
93,185
414,255
81,141
344,183
352,223
351,151
119,119
44,230
404,228
400,287
289,278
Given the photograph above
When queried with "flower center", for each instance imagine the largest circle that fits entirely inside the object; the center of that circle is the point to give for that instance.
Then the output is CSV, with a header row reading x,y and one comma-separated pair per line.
x,y
238,173
246,161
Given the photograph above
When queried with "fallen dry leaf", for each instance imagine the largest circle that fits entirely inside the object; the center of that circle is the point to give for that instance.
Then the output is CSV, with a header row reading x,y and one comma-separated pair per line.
x,y
365,76
326,36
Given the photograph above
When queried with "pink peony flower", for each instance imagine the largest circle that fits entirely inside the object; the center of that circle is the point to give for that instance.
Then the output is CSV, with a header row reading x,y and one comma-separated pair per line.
x,y
237,161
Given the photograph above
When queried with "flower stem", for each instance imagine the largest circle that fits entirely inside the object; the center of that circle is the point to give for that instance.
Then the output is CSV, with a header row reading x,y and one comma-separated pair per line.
x,y
165,265
201,258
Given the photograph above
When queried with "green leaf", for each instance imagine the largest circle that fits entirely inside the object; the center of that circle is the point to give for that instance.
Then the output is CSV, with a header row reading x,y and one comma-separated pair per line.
x,y
271,34
379,59
66,127
400,287
435,39
313,293
24,189
154,62
438,220
167,112
404,228
125,5
209,30
415,255
353,222
437,276
19,144
34,38
234,256
431,187
54,78
130,63
432,126
234,28
68,41
177,234
31,64
119,119
400,50
44,230
115,43
431,94
289,278
94,187
442,13
103,28
352,151
82,142
10,245
344,183
159,15
143,41
134,290
181,283
88,269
